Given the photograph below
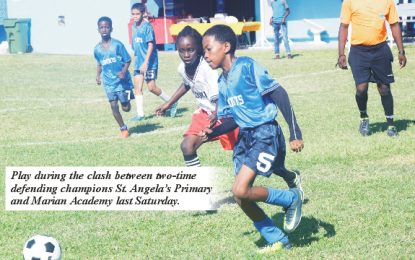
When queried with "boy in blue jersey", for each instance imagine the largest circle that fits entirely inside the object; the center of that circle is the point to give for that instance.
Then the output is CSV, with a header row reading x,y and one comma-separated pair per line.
x,y
248,98
146,60
113,61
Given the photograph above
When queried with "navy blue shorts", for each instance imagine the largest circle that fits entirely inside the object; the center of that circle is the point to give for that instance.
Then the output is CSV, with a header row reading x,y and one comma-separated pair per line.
x,y
371,64
149,75
261,148
123,96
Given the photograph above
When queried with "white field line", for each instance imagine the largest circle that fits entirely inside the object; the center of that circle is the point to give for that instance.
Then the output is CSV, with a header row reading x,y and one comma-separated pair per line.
x,y
307,74
46,105
92,140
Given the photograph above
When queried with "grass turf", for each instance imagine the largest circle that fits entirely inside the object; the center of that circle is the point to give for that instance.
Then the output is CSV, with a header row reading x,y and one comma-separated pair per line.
x,y
359,191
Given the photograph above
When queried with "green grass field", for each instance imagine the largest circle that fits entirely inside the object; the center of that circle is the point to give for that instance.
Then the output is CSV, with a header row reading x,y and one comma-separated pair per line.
x,y
360,198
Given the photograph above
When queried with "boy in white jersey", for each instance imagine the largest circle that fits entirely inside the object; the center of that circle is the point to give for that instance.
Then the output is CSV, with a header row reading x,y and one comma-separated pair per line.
x,y
203,82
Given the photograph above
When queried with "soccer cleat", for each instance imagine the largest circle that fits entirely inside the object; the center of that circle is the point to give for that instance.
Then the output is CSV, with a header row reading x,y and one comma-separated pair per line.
x,y
297,184
124,133
392,131
364,126
173,110
277,246
292,216
136,119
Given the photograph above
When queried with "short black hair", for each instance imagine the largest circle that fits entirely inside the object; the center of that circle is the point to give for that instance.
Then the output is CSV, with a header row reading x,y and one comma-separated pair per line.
x,y
188,31
223,33
139,6
105,19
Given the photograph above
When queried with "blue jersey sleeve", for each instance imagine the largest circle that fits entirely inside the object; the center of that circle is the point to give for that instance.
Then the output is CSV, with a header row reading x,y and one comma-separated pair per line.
x,y
150,37
262,79
125,56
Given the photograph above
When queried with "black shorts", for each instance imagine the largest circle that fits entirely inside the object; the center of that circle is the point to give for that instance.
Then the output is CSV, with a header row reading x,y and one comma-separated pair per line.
x,y
371,63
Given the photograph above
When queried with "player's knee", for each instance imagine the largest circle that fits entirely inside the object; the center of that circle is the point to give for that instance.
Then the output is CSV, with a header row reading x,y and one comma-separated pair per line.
x,y
239,192
384,90
114,106
126,107
361,91
187,147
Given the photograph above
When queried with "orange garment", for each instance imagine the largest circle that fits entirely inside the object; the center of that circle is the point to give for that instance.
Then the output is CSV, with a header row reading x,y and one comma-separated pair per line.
x,y
368,19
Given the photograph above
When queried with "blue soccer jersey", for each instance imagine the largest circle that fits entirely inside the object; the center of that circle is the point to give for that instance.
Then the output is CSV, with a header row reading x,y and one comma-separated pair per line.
x,y
242,94
112,60
141,36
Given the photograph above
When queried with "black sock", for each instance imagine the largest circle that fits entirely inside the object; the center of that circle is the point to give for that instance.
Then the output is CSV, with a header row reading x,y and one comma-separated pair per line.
x,y
361,100
287,175
387,103
191,160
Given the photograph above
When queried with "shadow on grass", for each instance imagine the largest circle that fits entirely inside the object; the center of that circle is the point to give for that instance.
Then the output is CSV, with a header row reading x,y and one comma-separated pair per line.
x,y
139,129
224,201
180,111
401,125
306,233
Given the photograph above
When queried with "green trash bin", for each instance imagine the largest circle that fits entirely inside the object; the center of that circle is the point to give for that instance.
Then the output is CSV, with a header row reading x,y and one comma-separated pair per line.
x,y
18,35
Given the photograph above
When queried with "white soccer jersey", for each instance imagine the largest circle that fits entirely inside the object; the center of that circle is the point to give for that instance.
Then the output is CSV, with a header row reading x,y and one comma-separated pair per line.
x,y
204,85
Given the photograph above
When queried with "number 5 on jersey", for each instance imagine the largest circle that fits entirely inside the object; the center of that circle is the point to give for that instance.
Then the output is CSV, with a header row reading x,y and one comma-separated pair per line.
x,y
264,162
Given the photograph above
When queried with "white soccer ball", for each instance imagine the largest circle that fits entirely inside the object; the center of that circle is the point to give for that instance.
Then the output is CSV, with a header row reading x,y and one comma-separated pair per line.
x,y
42,248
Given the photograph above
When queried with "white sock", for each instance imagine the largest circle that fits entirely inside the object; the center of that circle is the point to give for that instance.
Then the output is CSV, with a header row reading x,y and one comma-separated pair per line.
x,y
164,97
140,105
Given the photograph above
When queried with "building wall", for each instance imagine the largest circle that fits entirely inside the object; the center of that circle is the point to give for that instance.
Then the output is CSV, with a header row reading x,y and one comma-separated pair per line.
x,y
3,15
78,34
323,12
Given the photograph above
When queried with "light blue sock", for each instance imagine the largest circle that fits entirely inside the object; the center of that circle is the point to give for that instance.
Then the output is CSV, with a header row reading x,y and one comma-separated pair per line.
x,y
282,198
270,232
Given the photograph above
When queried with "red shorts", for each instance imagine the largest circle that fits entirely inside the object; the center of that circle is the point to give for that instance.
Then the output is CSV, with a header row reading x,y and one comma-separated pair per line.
x,y
200,121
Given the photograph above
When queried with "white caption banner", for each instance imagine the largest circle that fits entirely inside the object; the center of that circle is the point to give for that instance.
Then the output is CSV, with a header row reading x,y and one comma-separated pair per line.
x,y
110,188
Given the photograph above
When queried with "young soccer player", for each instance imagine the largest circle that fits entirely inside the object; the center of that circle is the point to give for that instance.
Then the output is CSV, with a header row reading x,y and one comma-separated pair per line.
x,y
113,61
251,96
202,80
146,61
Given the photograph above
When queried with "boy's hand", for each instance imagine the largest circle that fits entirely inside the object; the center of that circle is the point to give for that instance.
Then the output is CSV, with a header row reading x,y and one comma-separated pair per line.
x,y
203,134
98,79
121,75
162,109
213,119
297,145
143,68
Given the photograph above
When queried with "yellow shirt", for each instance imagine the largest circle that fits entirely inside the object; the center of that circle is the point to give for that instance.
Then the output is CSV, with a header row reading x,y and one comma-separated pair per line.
x,y
368,19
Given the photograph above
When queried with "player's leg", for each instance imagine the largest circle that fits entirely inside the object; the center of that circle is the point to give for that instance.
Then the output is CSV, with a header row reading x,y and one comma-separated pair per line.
x,y
292,178
189,147
124,98
360,63
383,74
276,27
117,115
246,195
265,226
387,103
138,92
361,101
191,142
256,152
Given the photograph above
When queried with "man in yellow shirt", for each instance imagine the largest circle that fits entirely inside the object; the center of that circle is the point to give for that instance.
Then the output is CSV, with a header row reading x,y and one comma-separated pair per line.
x,y
370,57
